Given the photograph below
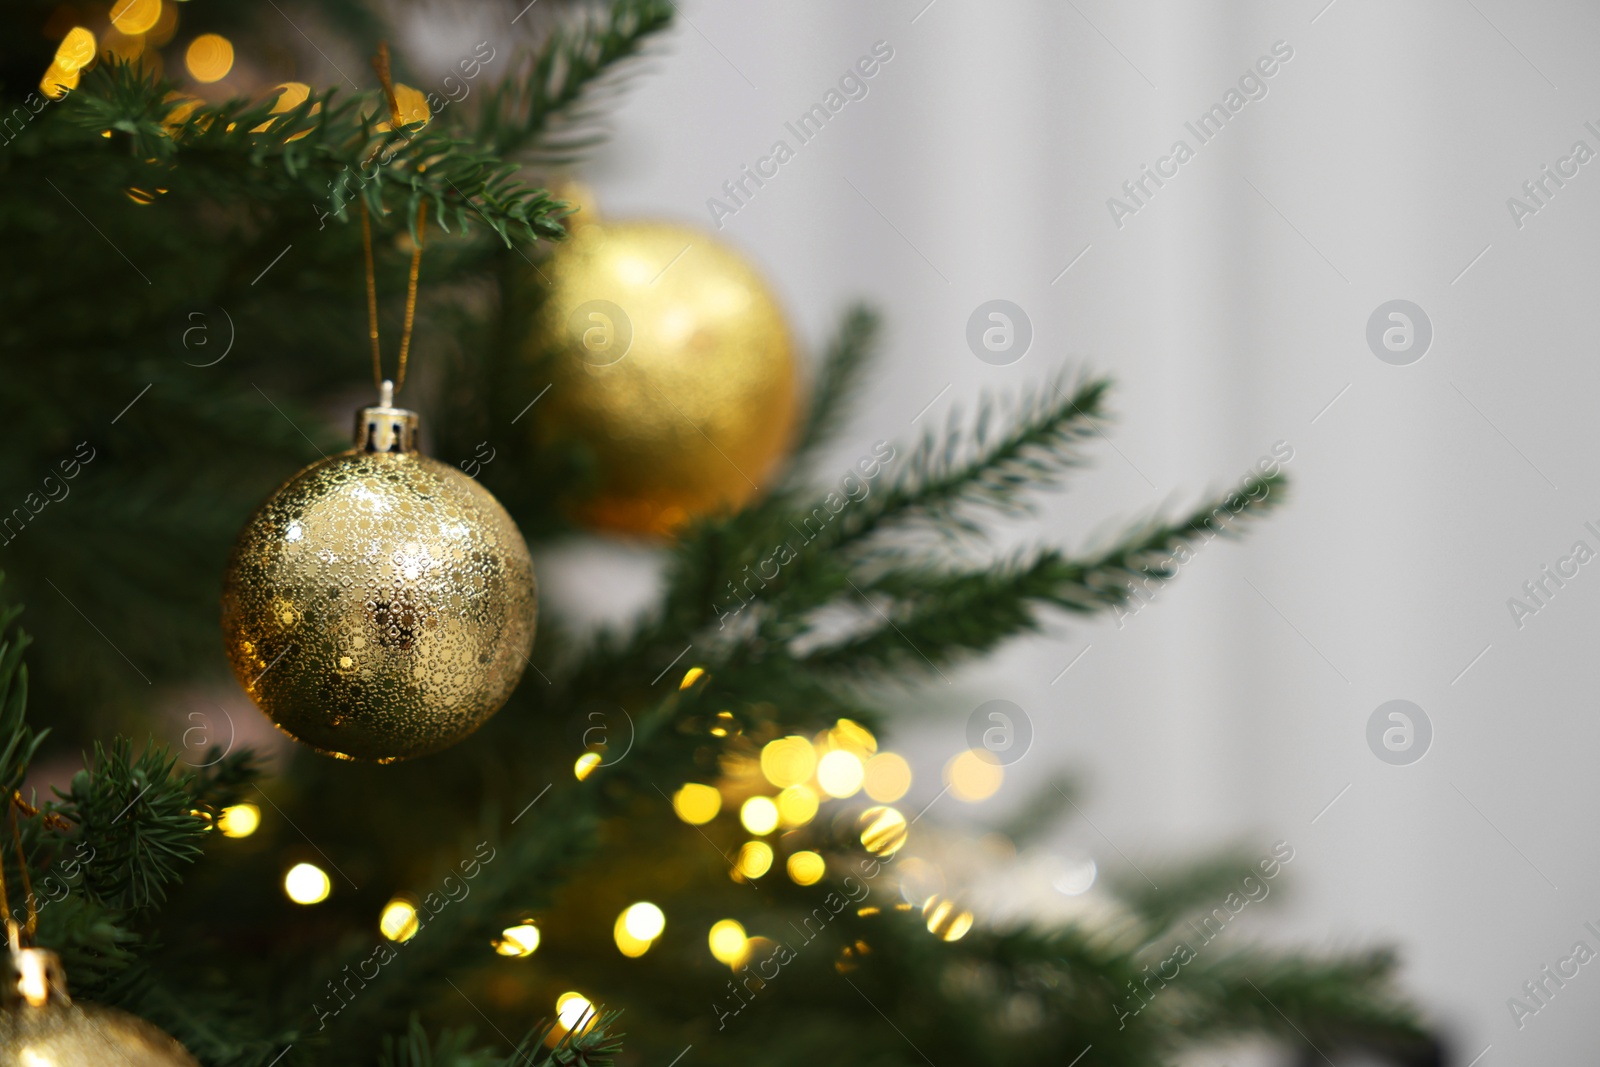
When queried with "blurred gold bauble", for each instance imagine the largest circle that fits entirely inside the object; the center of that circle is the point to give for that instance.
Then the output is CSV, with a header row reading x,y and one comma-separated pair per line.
x,y
84,1035
380,605
671,362
40,1026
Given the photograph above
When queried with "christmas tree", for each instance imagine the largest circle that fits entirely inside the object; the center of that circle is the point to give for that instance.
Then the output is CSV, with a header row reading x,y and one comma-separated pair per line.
x,y
680,841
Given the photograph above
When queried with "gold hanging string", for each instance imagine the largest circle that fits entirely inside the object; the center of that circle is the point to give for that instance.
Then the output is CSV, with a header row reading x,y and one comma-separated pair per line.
x,y
380,64
372,297
411,296
27,880
14,932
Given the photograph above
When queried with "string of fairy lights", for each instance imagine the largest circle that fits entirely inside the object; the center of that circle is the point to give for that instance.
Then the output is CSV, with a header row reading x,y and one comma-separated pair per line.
x,y
773,791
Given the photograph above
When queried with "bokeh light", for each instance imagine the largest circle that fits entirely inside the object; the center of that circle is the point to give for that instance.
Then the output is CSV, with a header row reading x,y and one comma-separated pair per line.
x,y
946,920
759,815
209,57
307,883
239,820
585,765
574,1011
788,761
797,805
851,736
727,941
1076,877
135,16
399,920
697,804
883,830
807,868
691,676
637,928
839,773
644,920
76,50
57,82
755,859
972,778
518,941
886,777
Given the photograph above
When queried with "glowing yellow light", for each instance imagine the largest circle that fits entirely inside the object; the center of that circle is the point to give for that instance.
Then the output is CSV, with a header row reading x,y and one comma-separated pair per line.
x,y
691,677
851,736
76,50
411,107
886,777
697,804
840,773
135,16
644,920
797,805
240,820
290,96
307,884
755,859
945,919
788,761
574,1011
33,980
972,778
56,82
638,927
399,920
727,941
183,107
883,830
518,941
724,725
585,765
627,944
209,57
759,815
806,868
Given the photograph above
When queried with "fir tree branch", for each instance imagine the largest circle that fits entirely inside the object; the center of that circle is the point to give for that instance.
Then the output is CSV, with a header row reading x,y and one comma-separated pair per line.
x,y
328,151
934,615
18,742
1043,439
1333,1004
838,380
547,111
139,819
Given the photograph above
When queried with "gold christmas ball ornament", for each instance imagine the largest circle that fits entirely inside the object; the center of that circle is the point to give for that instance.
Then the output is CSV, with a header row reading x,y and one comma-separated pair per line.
x,y
670,362
380,605
40,1025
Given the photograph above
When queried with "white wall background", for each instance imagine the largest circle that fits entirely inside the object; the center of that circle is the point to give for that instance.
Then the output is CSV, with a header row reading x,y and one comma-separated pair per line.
x,y
1232,310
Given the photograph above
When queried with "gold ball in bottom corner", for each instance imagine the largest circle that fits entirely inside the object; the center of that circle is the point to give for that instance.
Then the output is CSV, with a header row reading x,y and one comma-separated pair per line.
x,y
84,1035
379,606
669,362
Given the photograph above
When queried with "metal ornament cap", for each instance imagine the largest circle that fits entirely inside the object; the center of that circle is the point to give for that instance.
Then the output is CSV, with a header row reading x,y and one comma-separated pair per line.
x,y
380,605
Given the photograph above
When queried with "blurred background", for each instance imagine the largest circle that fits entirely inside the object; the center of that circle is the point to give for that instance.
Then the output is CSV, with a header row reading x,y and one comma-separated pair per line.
x,y
1232,307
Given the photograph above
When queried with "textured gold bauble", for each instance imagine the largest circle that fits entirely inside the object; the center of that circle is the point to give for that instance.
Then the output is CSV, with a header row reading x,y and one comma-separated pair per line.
x,y
84,1035
669,359
380,605
40,1026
